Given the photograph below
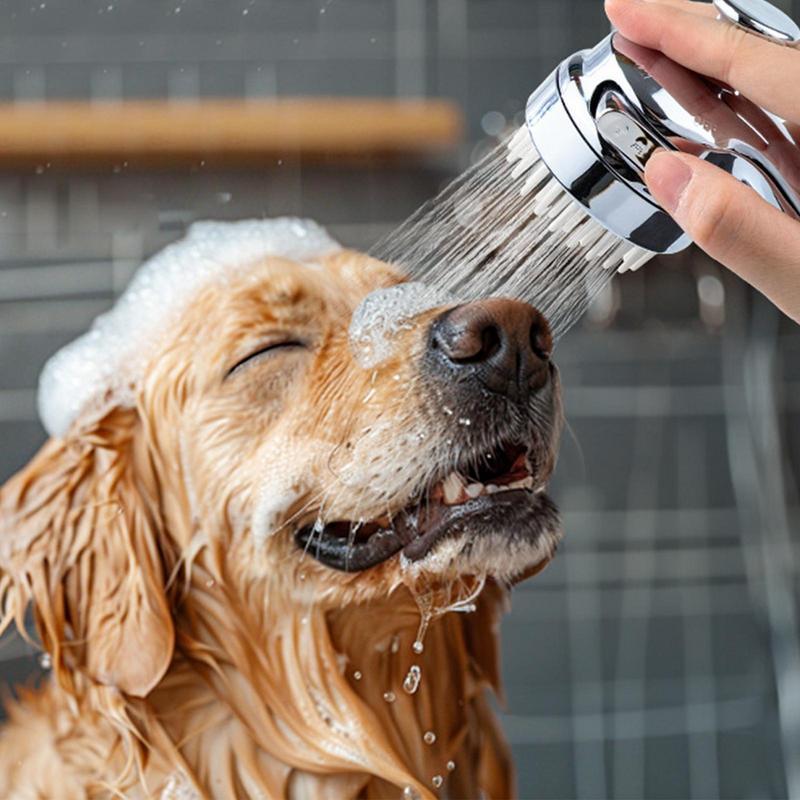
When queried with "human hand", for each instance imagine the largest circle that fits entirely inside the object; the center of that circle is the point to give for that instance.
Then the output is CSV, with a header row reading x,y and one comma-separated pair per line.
x,y
726,218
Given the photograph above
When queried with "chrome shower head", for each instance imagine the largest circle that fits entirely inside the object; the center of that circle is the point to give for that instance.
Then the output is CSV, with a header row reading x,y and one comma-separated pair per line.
x,y
603,112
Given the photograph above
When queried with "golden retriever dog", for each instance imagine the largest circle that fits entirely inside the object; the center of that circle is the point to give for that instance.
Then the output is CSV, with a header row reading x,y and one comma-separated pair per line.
x,y
265,552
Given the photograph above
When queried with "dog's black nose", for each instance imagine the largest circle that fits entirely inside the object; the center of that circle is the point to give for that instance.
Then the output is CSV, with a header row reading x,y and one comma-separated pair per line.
x,y
504,343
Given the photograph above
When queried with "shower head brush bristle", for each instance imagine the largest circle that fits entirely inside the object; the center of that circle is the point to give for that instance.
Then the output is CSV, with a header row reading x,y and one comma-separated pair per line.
x,y
568,218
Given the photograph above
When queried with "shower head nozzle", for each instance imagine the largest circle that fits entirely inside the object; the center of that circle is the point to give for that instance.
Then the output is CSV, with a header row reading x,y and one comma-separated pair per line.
x,y
603,112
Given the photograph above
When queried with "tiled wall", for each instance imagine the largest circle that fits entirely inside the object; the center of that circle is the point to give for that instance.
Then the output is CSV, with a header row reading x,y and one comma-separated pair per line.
x,y
644,661
488,54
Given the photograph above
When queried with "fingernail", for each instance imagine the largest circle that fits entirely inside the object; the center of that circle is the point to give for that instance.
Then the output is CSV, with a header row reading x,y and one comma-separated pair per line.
x,y
668,176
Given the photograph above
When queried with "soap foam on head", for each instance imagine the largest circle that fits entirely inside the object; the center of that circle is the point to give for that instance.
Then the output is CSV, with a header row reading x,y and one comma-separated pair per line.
x,y
107,361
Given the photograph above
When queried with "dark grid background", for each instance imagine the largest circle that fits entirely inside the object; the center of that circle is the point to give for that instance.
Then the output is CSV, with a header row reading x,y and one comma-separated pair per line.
x,y
658,656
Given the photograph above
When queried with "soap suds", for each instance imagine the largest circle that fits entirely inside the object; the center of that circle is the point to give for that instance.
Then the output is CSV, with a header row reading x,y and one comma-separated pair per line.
x,y
384,312
107,361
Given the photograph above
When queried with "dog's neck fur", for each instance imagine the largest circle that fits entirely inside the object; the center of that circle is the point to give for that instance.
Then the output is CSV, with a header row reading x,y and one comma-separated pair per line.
x,y
316,708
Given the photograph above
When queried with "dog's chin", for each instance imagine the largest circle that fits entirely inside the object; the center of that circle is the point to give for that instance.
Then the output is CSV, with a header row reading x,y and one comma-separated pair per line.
x,y
508,541
459,525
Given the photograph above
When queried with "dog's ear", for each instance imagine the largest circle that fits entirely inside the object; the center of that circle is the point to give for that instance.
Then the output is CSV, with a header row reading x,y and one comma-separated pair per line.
x,y
81,541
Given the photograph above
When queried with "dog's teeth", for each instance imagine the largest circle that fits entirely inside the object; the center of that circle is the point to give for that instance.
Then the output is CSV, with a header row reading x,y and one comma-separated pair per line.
x,y
474,489
451,488
491,488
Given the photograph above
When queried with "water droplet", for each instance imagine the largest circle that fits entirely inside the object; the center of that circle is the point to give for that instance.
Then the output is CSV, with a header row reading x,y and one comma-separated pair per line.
x,y
465,421
429,737
357,675
418,647
411,682
493,123
45,661
389,697
451,765
395,646
437,781
409,793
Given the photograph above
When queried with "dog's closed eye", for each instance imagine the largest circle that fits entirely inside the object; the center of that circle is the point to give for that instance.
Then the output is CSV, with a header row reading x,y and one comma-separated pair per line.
x,y
265,351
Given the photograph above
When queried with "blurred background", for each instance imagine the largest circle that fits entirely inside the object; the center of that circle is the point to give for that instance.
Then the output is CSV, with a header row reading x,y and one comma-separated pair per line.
x,y
658,657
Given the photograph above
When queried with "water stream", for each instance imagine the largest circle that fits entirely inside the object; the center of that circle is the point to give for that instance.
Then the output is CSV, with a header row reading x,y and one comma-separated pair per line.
x,y
505,226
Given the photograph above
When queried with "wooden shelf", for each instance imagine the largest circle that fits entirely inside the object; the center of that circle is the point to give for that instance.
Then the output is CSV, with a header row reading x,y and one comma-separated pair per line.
x,y
223,131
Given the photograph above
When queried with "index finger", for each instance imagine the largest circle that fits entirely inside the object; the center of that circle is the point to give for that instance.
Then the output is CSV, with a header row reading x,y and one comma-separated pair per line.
x,y
765,72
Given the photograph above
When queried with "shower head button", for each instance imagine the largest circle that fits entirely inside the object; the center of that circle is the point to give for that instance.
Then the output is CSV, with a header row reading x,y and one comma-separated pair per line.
x,y
761,18
629,140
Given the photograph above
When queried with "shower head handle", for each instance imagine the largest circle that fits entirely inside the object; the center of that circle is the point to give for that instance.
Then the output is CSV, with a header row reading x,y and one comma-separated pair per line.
x,y
603,112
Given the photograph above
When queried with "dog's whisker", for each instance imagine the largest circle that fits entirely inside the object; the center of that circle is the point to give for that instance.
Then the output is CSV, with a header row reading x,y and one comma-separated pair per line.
x,y
300,512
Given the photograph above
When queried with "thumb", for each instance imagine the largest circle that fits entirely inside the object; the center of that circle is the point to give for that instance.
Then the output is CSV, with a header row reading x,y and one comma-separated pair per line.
x,y
732,223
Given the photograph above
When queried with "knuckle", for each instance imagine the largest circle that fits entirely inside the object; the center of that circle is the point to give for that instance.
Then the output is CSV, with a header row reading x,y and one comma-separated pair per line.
x,y
716,222
735,53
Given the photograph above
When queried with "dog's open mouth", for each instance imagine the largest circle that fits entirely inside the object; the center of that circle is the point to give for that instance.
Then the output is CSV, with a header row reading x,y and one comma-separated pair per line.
x,y
496,495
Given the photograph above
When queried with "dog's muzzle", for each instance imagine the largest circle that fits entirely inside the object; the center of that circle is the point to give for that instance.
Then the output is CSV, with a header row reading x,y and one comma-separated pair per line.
x,y
493,394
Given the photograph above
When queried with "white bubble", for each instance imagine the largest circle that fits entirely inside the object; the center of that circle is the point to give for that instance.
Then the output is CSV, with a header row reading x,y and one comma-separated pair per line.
x,y
384,312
